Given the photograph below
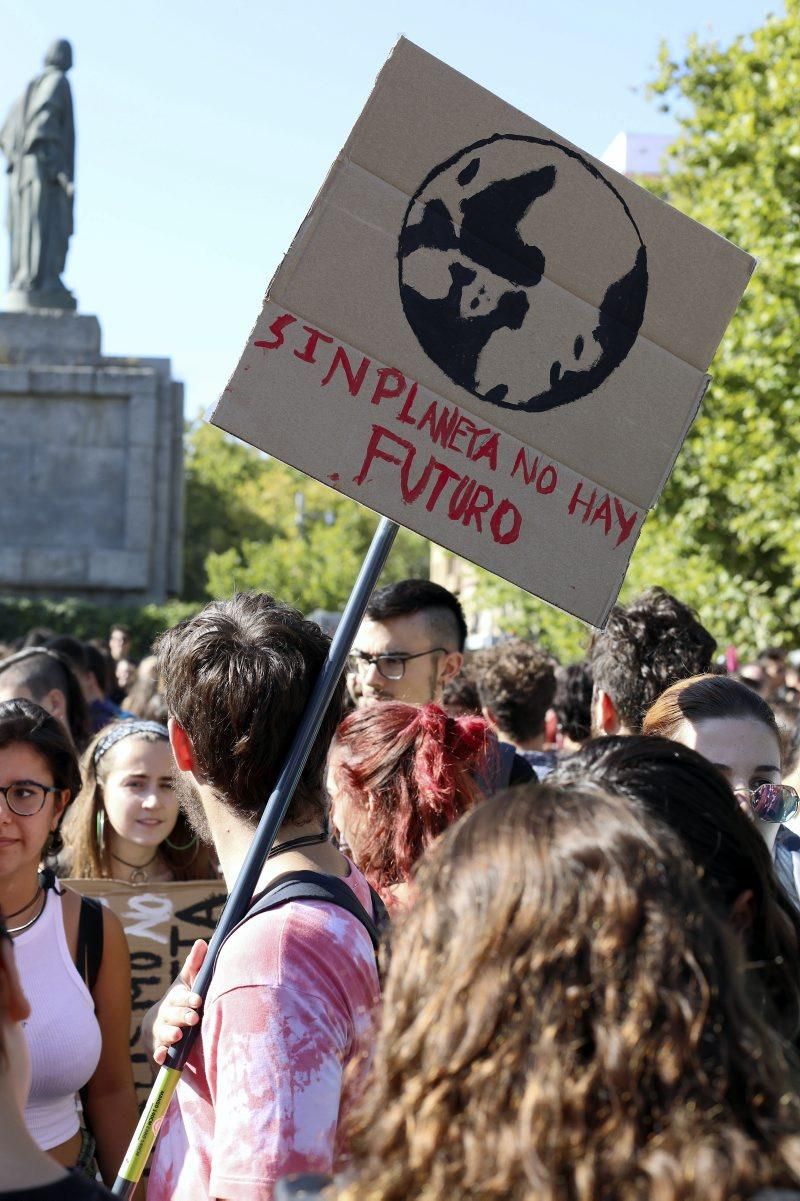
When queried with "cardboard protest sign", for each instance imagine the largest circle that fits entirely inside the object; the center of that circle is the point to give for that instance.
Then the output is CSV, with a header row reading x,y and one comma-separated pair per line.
x,y
485,334
161,922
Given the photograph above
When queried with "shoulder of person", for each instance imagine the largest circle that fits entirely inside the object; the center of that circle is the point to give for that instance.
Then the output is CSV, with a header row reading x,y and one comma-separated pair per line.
x,y
297,941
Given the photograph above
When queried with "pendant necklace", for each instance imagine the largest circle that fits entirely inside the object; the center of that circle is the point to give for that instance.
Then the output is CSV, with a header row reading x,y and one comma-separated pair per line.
x,y
139,870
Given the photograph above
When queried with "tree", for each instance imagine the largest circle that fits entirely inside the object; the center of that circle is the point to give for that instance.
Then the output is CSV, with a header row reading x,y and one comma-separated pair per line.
x,y
253,522
724,534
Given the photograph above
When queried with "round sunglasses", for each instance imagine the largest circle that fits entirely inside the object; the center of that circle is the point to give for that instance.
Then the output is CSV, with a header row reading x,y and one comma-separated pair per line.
x,y
772,802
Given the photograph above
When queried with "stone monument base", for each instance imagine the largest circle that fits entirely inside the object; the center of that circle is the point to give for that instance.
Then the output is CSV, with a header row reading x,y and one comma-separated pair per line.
x,y
58,300
91,465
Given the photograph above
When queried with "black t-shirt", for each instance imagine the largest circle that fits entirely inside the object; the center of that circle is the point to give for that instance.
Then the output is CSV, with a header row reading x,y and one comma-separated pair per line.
x,y
74,1187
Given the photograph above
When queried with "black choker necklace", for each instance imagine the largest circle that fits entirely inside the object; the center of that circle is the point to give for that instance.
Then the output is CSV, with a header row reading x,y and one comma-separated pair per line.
x,y
138,870
17,912
136,866
294,844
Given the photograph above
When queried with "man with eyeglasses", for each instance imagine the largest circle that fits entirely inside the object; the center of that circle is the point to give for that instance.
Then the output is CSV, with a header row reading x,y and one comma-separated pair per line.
x,y
410,645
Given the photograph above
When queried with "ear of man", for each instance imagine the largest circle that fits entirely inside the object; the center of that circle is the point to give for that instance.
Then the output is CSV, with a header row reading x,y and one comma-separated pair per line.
x,y
449,666
182,747
55,703
606,715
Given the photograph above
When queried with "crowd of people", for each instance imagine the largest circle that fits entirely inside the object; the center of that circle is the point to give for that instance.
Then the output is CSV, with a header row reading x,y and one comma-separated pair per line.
x,y
527,931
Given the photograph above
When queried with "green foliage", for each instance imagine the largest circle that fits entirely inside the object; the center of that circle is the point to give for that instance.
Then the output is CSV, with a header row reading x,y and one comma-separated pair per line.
x,y
723,537
85,620
253,522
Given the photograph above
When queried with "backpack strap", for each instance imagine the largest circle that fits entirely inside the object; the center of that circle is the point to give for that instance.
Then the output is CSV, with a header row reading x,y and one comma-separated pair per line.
x,y
88,957
314,886
89,954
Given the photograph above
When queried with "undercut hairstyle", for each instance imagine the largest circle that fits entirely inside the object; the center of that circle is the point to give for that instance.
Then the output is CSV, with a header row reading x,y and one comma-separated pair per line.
x,y
39,671
704,698
441,608
565,1017
517,682
680,788
645,648
237,678
28,724
573,701
409,771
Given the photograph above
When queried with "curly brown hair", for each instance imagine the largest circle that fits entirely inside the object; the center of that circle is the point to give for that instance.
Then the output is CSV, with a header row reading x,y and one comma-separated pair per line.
x,y
565,1019
516,683
645,648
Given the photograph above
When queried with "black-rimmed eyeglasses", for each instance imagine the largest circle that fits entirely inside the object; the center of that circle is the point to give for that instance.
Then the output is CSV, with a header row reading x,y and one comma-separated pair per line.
x,y
26,797
391,667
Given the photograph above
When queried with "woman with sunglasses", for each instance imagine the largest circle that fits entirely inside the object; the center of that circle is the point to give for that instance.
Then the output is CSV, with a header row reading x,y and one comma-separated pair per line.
x,y
78,1039
734,728
681,789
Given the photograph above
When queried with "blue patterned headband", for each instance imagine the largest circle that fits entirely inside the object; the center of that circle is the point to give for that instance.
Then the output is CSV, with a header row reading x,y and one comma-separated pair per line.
x,y
128,729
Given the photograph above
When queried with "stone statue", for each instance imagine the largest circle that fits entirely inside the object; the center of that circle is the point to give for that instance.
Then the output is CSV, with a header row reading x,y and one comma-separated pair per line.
x,y
38,140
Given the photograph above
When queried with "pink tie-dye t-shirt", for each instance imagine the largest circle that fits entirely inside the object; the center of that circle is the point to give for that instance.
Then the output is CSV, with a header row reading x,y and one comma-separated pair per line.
x,y
293,1000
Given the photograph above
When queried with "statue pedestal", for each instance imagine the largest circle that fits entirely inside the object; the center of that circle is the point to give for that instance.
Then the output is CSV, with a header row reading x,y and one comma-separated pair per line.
x,y
50,302
91,464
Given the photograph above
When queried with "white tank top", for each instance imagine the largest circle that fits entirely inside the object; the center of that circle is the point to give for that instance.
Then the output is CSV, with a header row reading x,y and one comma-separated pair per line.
x,y
62,1032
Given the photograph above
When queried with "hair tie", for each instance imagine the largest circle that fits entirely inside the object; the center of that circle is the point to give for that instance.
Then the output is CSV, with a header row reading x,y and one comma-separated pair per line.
x,y
431,719
127,729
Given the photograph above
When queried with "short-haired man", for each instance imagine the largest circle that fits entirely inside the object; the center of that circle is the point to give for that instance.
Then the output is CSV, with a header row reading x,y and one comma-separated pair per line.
x,y
516,685
294,990
644,648
411,643
410,646
46,677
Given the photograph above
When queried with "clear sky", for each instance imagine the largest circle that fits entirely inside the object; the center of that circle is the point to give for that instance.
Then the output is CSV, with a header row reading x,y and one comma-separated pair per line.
x,y
206,128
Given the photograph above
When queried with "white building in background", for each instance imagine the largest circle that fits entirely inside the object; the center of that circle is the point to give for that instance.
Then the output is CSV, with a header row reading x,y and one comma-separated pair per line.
x,y
637,153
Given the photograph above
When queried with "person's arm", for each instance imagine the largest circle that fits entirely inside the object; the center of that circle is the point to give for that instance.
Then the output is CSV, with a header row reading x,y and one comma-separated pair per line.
x,y
111,1107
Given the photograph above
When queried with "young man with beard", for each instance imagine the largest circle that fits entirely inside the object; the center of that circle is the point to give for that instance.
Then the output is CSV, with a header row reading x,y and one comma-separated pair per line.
x,y
294,990
409,648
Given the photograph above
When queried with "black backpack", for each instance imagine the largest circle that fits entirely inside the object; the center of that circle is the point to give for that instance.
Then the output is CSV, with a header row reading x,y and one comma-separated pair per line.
x,y
315,886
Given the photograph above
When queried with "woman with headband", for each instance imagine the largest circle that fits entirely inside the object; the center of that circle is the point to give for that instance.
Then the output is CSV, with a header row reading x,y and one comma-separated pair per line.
x,y
78,1031
125,824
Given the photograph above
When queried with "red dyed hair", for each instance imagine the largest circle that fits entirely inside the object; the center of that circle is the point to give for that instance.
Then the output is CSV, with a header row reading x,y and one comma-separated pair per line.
x,y
412,771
